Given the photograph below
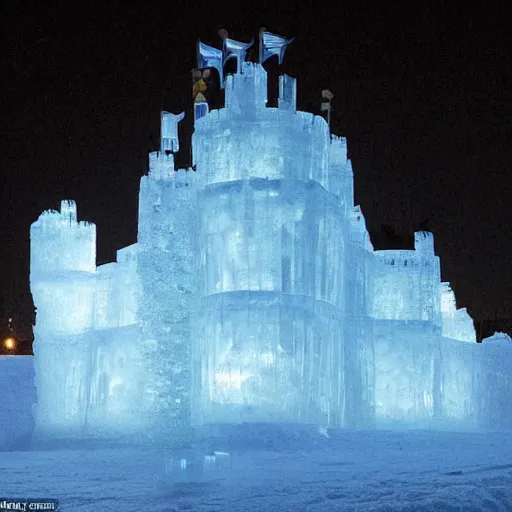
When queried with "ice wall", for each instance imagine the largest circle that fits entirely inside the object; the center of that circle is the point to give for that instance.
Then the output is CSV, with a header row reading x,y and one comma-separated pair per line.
x,y
61,243
340,175
168,263
253,294
358,329
88,374
62,268
462,386
108,386
494,382
117,291
271,238
407,374
246,140
406,284
424,380
456,323
268,298
62,282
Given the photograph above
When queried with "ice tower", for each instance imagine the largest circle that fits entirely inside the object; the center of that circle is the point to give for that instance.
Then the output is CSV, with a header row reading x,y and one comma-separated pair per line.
x,y
271,297
62,272
253,292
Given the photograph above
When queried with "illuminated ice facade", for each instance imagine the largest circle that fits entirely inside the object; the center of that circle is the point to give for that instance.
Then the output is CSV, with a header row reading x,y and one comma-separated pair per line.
x,y
252,294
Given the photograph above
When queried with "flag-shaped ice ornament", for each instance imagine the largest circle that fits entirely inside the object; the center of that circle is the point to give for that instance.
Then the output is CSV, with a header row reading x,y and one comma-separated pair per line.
x,y
209,57
169,131
272,44
232,48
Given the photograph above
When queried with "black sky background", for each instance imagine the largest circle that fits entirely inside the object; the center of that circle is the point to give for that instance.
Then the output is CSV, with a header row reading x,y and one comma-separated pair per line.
x,y
422,92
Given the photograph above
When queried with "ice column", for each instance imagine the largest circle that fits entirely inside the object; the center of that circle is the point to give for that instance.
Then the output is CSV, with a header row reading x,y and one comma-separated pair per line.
x,y
168,262
271,241
62,280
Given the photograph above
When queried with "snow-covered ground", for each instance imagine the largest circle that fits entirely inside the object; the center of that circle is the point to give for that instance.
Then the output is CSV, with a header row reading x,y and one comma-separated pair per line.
x,y
281,471
17,396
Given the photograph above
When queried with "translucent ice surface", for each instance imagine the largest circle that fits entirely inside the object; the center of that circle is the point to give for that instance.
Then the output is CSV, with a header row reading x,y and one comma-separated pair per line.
x,y
252,294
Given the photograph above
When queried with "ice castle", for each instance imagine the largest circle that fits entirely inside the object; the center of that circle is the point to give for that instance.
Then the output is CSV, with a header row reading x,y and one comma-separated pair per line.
x,y
253,293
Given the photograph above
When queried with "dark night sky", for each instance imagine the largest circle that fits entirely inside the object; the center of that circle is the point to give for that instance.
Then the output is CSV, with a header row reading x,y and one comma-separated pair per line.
x,y
422,92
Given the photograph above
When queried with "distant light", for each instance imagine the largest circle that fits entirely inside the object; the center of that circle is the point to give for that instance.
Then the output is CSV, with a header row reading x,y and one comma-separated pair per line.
x,y
10,343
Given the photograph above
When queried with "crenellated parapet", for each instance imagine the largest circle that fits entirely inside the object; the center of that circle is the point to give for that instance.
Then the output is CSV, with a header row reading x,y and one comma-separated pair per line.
x,y
278,144
358,233
246,92
406,284
338,152
341,176
253,292
63,270
424,243
161,165
456,322
116,294
287,93
52,232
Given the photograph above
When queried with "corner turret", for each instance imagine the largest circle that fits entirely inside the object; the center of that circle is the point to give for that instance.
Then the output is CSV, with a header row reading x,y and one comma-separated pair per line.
x,y
59,243
246,92
424,242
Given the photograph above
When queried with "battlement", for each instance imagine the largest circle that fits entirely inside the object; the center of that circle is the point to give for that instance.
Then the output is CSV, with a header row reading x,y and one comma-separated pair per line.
x,y
246,92
338,151
424,242
448,303
397,258
59,242
287,93
423,247
359,233
51,220
275,144
253,292
456,323
68,210
127,254
161,165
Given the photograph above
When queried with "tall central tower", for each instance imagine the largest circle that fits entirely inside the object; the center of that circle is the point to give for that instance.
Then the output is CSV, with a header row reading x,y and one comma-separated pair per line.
x,y
269,340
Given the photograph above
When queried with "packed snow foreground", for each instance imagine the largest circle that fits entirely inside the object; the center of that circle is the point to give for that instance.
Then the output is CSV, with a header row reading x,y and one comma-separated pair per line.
x,y
291,471
253,293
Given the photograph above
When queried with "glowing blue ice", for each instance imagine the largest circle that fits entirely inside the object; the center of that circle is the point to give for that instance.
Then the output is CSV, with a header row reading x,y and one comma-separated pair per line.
x,y
253,294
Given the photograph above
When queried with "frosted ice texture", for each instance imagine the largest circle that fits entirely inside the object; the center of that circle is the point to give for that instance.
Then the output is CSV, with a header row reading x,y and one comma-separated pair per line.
x,y
457,323
406,283
169,136
88,368
253,294
168,263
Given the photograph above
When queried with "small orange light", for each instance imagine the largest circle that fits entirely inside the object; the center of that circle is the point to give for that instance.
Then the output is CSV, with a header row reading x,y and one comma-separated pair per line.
x,y
9,343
